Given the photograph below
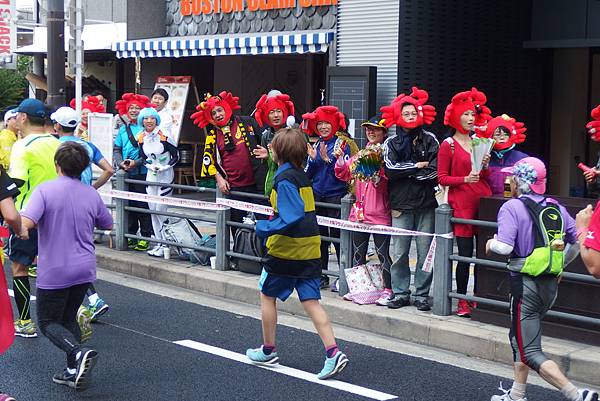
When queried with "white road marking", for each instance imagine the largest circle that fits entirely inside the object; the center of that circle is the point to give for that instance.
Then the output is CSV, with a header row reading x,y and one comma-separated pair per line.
x,y
12,294
299,374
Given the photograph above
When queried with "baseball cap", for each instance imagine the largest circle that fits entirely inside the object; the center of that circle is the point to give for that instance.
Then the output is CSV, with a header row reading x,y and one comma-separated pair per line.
x,y
530,170
32,107
10,114
66,116
375,121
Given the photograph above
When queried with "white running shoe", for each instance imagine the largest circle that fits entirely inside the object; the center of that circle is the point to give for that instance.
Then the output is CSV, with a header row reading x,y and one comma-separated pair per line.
x,y
588,395
160,252
152,252
505,396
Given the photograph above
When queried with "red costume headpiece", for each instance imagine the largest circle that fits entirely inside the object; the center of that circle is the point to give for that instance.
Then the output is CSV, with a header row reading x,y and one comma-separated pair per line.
x,y
91,103
203,117
515,128
330,114
470,100
593,126
129,99
266,104
392,114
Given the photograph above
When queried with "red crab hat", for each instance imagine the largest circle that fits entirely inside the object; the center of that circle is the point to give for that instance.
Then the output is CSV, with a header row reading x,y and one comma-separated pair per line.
x,y
516,129
91,103
330,114
426,113
593,126
268,103
470,100
203,117
129,99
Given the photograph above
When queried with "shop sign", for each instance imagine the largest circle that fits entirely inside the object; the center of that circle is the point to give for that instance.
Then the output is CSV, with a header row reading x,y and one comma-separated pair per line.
x,y
8,33
197,7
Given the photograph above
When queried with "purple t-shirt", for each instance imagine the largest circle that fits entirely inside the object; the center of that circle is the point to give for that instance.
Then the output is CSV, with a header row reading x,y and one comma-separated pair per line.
x,y
66,212
515,227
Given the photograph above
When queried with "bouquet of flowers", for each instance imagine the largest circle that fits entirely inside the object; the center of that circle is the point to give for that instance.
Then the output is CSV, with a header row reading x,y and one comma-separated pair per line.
x,y
480,147
367,164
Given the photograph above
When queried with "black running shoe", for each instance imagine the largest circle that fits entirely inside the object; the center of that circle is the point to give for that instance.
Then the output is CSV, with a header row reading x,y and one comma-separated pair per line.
x,y
398,302
65,378
85,364
422,305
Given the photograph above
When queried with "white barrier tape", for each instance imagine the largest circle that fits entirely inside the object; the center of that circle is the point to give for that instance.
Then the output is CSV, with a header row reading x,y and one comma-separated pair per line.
x,y
163,200
245,206
223,203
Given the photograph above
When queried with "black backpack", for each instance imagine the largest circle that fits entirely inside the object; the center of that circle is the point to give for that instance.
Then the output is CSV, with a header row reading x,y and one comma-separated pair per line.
x,y
247,242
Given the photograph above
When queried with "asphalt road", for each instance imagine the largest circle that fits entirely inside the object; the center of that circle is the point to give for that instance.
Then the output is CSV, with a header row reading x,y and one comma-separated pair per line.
x,y
139,360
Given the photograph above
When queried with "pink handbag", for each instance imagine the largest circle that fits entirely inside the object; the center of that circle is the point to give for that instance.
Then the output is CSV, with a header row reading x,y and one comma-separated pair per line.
x,y
365,283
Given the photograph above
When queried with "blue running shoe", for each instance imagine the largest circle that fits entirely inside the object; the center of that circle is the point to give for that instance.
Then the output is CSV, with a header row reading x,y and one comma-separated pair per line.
x,y
258,357
98,309
333,366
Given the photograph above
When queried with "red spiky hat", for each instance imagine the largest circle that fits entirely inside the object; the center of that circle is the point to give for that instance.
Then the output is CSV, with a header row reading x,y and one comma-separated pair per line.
x,y
515,128
128,99
268,103
392,114
91,103
330,114
203,117
593,126
470,100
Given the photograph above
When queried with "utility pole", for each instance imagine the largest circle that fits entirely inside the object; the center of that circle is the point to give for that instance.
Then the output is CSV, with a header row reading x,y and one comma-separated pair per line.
x,y
75,54
56,53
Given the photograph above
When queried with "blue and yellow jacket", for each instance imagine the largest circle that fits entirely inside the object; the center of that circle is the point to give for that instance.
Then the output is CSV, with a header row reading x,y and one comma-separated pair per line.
x,y
293,244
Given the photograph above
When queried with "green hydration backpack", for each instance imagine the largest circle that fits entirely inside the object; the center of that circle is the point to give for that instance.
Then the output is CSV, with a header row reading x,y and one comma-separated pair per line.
x,y
549,231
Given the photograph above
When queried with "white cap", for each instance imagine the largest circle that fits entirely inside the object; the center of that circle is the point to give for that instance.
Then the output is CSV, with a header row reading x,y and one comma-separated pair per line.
x,y
10,114
66,116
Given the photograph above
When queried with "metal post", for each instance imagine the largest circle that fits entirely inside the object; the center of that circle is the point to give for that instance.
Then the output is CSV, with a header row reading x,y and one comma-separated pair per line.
x,y
56,53
122,217
78,53
223,216
442,269
345,245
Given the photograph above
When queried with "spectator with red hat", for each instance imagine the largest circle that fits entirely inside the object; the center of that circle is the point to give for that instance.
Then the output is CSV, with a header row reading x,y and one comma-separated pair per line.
x,y
463,115
411,167
229,146
273,111
327,122
592,175
506,133
126,155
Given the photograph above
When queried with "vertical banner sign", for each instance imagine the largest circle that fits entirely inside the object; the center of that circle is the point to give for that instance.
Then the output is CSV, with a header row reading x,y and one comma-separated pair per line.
x,y
100,132
8,34
177,88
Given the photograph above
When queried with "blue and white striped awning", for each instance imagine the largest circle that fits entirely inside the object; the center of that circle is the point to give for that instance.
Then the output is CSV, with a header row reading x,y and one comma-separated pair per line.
x,y
223,45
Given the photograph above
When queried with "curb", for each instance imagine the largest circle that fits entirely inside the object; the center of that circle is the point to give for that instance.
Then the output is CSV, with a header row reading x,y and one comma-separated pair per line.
x,y
581,362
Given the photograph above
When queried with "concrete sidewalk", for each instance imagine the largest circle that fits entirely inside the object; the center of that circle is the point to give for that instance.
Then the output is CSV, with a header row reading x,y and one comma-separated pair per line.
x,y
581,362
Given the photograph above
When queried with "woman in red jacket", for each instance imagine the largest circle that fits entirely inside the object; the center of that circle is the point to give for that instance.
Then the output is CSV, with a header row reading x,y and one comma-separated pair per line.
x,y
464,114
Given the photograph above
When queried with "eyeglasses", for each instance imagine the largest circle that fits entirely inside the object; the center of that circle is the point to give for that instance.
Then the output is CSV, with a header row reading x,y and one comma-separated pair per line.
x,y
501,134
413,114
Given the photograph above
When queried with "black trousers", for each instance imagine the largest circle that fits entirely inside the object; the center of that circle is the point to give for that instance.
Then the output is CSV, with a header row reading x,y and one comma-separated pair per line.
x,y
57,318
141,220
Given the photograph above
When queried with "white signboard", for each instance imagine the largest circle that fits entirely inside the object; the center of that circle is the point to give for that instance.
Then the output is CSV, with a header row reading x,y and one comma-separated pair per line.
x,y
177,88
8,34
100,133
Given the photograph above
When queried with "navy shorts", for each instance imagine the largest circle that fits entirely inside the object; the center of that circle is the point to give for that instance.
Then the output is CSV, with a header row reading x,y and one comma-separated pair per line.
x,y
22,251
282,287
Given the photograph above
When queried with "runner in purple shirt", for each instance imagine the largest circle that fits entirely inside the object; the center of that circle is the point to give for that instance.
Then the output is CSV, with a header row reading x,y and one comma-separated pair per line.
x,y
65,211
537,257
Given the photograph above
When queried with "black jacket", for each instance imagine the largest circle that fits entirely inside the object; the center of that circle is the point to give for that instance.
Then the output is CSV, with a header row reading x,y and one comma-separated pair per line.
x,y
411,188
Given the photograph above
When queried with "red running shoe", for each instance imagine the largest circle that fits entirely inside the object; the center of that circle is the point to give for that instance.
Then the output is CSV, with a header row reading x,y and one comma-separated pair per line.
x,y
463,310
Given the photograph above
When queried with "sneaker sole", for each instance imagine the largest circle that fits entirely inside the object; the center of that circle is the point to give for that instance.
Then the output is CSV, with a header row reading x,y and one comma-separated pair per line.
x,y
87,364
100,312
340,365
25,335
270,362
67,383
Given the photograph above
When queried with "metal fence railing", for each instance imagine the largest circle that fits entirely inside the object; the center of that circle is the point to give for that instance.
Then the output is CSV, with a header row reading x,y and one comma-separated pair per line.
x,y
442,276
221,217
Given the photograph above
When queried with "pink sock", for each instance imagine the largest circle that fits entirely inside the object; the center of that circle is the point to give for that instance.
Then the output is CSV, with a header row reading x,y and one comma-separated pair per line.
x,y
331,350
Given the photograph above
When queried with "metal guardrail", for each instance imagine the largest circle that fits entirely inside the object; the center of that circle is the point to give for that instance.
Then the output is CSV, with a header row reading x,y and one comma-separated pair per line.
x,y
222,220
442,273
